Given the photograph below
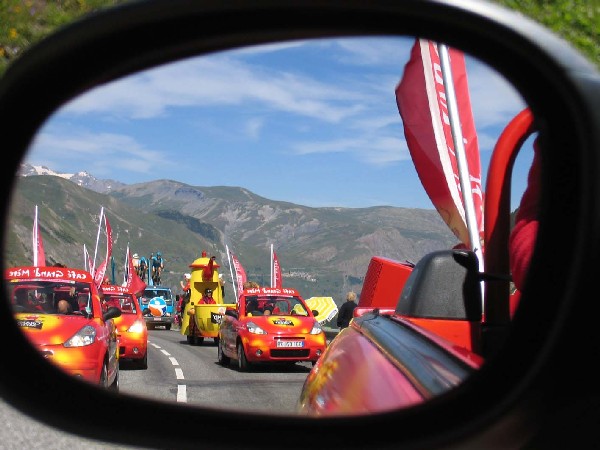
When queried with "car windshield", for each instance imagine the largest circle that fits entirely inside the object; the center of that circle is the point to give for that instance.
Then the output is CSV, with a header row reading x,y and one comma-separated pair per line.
x,y
122,301
275,305
151,293
50,297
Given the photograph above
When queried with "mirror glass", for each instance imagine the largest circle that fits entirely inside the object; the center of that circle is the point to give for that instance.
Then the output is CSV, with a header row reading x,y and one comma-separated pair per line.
x,y
295,151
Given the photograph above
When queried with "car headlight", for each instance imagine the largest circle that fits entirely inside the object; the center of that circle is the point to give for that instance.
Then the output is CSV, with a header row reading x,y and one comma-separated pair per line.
x,y
255,329
137,327
316,329
85,336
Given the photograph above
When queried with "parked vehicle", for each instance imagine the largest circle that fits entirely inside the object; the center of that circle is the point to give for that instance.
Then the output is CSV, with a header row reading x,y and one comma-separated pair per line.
x,y
82,340
131,325
270,325
158,307
200,321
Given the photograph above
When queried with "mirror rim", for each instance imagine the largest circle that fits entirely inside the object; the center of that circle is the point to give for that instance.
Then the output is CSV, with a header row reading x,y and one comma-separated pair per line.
x,y
136,36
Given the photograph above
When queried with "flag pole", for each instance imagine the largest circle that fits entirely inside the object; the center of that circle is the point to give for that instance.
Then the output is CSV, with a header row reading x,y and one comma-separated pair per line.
x,y
461,158
272,280
35,237
233,280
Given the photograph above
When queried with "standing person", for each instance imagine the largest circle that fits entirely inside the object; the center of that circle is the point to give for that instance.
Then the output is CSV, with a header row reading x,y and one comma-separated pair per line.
x,y
135,262
185,297
185,283
523,235
207,299
346,310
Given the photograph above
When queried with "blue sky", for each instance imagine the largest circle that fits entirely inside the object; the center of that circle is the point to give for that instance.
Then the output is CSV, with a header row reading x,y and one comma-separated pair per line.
x,y
310,122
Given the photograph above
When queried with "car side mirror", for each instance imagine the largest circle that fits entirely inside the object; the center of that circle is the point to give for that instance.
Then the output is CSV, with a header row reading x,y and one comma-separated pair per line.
x,y
111,313
231,313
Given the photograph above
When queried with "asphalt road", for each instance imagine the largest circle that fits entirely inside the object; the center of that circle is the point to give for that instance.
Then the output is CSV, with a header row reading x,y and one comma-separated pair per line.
x,y
177,372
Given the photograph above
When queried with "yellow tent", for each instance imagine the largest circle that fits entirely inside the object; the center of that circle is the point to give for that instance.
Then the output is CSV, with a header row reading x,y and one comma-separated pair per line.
x,y
325,306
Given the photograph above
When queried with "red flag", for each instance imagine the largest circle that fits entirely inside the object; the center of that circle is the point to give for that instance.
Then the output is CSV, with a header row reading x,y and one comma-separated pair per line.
x,y
39,256
99,275
240,273
421,99
133,282
100,271
276,272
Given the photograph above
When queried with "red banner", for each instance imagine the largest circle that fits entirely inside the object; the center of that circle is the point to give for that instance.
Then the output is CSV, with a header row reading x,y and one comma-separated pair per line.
x,y
421,99
99,275
276,272
134,283
240,273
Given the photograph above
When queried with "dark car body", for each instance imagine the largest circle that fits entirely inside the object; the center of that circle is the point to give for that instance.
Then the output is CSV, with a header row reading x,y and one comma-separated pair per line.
x,y
534,391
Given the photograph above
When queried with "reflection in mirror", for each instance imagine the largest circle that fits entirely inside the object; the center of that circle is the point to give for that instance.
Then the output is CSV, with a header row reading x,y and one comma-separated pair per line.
x,y
311,168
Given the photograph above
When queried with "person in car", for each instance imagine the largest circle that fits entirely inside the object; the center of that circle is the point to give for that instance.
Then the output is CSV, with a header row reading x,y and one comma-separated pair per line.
x,y
64,307
207,299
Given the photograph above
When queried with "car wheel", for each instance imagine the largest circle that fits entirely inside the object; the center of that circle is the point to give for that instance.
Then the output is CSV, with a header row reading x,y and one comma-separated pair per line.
x,y
104,376
217,341
143,363
115,384
199,340
191,340
243,364
223,359
168,326
150,326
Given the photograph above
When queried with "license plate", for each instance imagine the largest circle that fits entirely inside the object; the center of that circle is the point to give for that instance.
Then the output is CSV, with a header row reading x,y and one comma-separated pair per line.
x,y
157,319
290,344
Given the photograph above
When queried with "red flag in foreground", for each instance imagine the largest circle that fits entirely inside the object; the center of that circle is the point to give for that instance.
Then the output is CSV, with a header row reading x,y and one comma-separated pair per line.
x,y
421,99
133,281
39,256
240,273
276,272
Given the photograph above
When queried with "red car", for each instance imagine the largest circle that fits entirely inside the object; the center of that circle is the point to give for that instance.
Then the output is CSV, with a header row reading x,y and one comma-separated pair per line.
x,y
270,325
82,338
131,325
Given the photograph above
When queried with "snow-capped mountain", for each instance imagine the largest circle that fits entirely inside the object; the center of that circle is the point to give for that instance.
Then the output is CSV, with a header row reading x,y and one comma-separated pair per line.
x,y
83,179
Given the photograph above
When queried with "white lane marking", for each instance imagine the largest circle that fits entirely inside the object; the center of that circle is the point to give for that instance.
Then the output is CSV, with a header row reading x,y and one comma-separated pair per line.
x,y
181,393
181,388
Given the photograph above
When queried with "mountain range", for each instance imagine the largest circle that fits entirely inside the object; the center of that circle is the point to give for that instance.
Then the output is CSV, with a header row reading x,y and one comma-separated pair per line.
x,y
322,251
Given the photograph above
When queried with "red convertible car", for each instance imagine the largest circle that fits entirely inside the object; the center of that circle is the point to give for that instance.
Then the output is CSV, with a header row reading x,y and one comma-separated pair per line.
x,y
421,331
131,325
80,339
270,325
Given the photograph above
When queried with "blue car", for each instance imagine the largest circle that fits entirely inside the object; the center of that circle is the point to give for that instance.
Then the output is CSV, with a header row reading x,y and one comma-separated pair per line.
x,y
158,307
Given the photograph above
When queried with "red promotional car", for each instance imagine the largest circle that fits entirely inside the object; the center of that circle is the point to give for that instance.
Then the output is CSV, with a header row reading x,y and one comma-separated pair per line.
x,y
270,325
81,339
131,325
